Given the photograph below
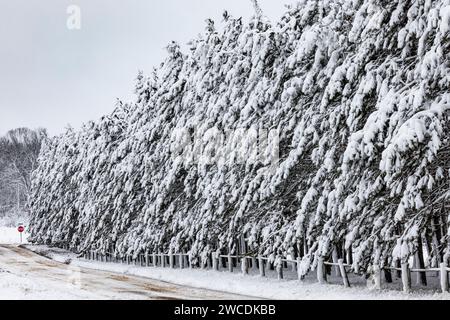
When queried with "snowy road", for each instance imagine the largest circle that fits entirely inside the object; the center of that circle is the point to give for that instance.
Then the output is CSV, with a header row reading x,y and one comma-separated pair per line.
x,y
40,277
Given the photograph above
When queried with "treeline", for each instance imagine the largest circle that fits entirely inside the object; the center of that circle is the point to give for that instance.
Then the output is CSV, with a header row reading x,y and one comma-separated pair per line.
x,y
358,93
19,151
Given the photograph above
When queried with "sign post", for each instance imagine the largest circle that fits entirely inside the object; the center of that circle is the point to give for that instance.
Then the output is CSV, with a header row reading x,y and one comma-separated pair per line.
x,y
21,229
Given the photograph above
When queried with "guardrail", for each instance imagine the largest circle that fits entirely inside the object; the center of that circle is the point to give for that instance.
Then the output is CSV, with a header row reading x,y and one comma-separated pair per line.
x,y
229,262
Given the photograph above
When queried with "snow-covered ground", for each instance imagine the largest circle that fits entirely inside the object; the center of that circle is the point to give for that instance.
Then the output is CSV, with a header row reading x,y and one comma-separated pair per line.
x,y
25,275
9,235
17,287
20,286
14,286
251,285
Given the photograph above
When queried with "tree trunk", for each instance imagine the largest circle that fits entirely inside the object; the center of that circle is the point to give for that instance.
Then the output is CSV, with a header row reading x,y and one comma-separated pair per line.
x,y
349,257
335,257
387,274
420,263
398,265
301,249
436,238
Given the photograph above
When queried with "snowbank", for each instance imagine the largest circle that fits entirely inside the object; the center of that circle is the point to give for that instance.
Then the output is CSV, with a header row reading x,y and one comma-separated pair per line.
x,y
10,235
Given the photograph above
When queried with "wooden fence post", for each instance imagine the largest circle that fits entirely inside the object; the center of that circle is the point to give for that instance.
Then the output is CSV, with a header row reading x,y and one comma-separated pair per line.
x,y
377,276
181,258
203,263
163,260
253,262
230,263
294,265
244,265
321,277
335,257
262,270
215,260
299,270
444,277
343,273
406,277
280,270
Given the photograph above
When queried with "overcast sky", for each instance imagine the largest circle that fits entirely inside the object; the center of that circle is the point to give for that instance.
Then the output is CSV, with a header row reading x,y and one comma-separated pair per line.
x,y
51,76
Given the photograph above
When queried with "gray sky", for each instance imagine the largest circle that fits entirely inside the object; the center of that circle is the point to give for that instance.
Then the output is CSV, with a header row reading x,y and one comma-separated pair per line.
x,y
51,76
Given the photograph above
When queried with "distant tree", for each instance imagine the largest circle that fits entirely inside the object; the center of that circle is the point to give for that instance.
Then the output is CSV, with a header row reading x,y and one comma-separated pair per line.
x,y
19,151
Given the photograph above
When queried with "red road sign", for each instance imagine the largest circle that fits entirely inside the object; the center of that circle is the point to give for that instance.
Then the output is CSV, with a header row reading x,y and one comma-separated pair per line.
x,y
21,229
